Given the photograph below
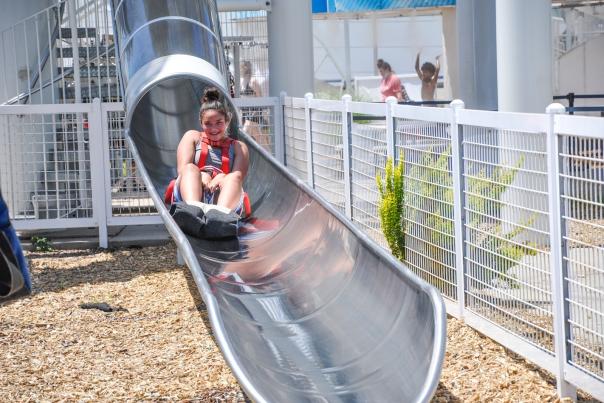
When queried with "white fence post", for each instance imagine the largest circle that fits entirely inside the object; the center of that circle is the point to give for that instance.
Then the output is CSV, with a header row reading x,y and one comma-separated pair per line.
x,y
279,123
309,159
558,267
390,102
346,154
98,183
458,204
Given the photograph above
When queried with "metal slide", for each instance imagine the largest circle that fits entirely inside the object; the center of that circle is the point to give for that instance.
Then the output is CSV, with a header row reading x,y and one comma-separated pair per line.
x,y
303,305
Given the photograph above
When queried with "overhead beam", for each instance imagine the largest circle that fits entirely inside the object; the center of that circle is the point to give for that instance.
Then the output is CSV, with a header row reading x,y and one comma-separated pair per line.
x,y
243,5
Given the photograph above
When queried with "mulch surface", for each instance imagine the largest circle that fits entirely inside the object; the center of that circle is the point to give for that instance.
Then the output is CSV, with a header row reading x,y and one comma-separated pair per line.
x,y
128,324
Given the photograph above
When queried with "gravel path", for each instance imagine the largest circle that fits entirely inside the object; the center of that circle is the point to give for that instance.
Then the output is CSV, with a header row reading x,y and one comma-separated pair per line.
x,y
156,343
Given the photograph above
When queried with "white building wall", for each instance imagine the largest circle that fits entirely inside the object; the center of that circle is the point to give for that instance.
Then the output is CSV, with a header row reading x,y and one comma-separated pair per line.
x,y
394,39
580,71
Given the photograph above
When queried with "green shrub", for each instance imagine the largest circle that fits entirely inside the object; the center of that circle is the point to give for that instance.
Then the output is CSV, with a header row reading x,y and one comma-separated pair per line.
x,y
391,207
429,190
41,244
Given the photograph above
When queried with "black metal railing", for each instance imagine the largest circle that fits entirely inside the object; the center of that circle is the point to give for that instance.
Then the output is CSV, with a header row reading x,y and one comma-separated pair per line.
x,y
571,97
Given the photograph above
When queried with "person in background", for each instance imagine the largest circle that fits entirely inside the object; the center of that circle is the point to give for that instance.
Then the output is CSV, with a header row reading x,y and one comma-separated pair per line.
x,y
390,84
252,117
249,86
428,74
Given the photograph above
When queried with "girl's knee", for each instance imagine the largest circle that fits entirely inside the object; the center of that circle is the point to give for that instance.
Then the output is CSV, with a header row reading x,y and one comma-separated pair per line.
x,y
190,169
234,177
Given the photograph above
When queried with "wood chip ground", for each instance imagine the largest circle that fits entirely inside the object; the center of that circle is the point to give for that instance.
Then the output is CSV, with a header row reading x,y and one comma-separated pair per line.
x,y
160,347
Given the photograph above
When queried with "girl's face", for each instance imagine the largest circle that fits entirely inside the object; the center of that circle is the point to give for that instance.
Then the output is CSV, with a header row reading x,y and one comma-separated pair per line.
x,y
214,124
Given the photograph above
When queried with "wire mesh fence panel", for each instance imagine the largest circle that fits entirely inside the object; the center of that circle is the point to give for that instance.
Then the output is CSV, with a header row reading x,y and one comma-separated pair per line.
x,y
45,165
368,160
259,123
582,203
507,231
62,54
295,141
96,53
328,163
425,148
245,38
129,196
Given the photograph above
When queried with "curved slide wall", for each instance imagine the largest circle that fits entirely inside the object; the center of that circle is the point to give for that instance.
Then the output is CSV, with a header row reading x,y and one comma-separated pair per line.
x,y
303,305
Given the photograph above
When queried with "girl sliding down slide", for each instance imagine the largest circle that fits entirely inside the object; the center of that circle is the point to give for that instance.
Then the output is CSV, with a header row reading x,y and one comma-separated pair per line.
x,y
211,165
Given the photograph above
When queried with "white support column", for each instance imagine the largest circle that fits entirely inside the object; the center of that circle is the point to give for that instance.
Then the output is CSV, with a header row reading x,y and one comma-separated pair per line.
x,y
451,53
524,75
390,102
97,170
308,126
458,205
346,154
524,55
290,54
558,266
477,58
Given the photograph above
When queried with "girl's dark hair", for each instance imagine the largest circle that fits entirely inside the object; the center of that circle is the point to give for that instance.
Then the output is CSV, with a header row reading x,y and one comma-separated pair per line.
x,y
213,100
381,64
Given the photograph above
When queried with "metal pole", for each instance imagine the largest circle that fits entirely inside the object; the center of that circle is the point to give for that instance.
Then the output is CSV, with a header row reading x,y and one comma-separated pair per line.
x,y
75,49
309,159
390,102
279,131
558,265
98,170
237,69
346,154
348,72
458,204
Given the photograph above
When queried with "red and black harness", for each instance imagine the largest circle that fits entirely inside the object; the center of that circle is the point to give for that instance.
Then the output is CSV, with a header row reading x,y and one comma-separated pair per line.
x,y
225,145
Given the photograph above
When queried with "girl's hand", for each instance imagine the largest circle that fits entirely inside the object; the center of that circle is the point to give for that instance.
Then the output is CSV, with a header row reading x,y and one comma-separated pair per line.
x,y
216,182
206,179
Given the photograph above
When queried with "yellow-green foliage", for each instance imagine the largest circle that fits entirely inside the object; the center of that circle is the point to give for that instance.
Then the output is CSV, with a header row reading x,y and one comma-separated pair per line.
x,y
391,207
430,192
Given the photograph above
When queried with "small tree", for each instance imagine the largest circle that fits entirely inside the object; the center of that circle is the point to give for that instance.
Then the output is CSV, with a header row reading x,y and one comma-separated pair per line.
x,y
391,207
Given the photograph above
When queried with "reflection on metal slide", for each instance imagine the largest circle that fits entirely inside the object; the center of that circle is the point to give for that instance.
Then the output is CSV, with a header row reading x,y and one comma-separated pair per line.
x,y
303,305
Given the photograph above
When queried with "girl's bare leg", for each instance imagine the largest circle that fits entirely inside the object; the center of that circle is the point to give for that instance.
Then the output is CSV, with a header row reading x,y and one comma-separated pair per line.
x,y
230,191
190,183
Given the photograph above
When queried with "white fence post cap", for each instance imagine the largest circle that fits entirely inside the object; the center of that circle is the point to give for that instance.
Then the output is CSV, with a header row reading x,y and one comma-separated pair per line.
x,y
457,104
555,108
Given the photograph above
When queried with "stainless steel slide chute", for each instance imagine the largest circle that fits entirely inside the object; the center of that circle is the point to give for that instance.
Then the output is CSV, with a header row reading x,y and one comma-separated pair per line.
x,y
303,305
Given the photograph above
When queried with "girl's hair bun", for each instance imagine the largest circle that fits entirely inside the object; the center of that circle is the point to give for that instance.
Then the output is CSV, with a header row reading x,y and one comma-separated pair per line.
x,y
211,94
213,99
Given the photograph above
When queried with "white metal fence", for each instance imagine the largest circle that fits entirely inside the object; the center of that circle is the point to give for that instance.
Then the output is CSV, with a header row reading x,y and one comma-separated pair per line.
x,y
504,213
480,189
68,165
